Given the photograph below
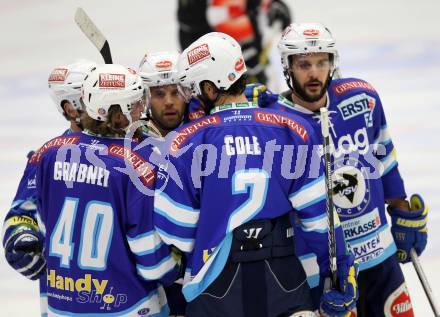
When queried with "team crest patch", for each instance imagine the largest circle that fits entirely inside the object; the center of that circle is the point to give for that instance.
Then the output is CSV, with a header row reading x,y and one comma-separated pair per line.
x,y
58,75
112,81
351,193
198,54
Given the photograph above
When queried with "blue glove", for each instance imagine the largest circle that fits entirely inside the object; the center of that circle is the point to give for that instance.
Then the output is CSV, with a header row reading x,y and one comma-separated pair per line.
x,y
259,94
409,228
341,302
23,246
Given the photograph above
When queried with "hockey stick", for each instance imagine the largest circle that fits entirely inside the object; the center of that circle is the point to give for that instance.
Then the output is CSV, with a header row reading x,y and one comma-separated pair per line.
x,y
424,281
329,189
93,34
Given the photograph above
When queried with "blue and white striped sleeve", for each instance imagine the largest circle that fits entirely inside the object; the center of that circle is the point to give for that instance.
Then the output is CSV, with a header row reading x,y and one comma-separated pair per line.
x,y
176,209
386,153
308,199
154,261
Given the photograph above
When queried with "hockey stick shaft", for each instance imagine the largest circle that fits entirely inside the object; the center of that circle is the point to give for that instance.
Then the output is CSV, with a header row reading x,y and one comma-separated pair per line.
x,y
329,189
93,34
424,281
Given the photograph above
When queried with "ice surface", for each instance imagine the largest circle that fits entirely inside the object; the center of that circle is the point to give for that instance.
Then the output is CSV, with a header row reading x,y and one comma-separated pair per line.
x,y
395,45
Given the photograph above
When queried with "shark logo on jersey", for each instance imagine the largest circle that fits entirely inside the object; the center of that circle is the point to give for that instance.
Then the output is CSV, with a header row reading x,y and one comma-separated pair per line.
x,y
346,186
361,104
351,192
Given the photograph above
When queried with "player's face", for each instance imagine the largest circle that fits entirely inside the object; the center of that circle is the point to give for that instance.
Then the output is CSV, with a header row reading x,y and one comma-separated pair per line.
x,y
310,75
167,106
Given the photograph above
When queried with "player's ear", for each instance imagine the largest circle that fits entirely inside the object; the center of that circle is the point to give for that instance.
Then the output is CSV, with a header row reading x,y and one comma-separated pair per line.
x,y
69,110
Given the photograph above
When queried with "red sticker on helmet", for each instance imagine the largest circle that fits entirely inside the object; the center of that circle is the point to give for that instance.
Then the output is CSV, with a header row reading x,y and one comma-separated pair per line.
x,y
239,65
311,32
58,75
198,53
164,64
111,81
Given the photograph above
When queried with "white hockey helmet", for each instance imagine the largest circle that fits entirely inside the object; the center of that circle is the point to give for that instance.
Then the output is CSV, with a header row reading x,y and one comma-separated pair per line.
x,y
159,69
306,38
111,84
216,57
65,83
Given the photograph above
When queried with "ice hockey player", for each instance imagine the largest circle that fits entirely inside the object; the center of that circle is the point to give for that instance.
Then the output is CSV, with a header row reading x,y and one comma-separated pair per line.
x,y
166,106
365,171
228,206
244,20
21,237
102,252
165,112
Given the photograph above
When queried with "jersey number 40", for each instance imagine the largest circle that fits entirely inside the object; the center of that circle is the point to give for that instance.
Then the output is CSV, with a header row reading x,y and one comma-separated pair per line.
x,y
96,234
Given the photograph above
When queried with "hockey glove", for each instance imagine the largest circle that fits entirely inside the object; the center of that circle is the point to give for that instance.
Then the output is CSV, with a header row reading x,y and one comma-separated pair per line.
x,y
341,302
259,94
409,228
23,247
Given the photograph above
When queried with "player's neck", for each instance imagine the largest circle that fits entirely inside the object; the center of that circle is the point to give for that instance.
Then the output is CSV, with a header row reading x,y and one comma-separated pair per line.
x,y
74,127
312,106
230,99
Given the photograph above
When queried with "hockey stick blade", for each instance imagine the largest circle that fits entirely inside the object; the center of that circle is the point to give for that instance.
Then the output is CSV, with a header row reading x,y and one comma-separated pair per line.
x,y
93,34
424,281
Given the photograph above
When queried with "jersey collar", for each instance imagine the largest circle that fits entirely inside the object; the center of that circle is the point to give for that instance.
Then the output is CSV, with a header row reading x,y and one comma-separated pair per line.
x,y
233,105
290,104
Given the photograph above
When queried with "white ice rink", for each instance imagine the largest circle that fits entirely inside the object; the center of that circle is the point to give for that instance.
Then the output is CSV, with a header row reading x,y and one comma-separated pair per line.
x,y
393,44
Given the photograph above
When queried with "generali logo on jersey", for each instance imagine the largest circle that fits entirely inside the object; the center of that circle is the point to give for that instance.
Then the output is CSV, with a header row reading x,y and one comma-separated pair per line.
x,y
352,85
111,81
271,118
198,53
144,169
58,75
185,133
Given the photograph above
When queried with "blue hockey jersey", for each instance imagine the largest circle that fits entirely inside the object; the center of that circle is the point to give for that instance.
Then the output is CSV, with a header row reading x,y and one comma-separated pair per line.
x,y
365,171
237,164
24,208
103,255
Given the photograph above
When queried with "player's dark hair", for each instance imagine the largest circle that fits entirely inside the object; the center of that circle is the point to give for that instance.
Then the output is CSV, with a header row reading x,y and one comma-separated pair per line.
x,y
238,86
106,128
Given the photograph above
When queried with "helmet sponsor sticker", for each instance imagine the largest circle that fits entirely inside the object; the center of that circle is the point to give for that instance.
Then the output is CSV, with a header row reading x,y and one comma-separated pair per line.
x,y
58,75
239,65
198,53
311,32
164,64
112,81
